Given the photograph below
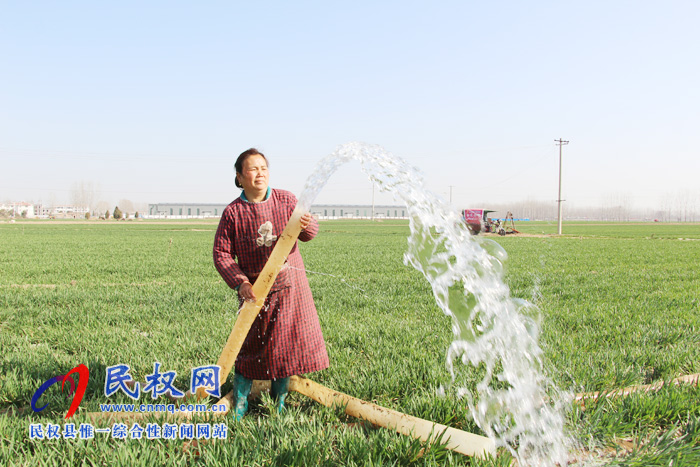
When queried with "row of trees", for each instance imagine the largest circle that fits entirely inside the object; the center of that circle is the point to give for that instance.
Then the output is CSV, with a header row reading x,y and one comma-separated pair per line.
x,y
614,208
116,214
87,194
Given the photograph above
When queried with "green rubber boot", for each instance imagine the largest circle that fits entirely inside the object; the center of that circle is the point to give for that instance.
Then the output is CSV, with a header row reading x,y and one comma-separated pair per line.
x,y
241,389
278,391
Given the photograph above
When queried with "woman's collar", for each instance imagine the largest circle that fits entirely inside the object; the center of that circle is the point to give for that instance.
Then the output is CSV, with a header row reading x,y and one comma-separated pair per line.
x,y
267,195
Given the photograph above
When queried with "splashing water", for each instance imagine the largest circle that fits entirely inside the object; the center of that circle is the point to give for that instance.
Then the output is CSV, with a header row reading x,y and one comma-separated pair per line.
x,y
516,404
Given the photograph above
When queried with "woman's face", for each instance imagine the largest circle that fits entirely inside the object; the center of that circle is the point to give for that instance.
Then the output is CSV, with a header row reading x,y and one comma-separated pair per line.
x,y
254,175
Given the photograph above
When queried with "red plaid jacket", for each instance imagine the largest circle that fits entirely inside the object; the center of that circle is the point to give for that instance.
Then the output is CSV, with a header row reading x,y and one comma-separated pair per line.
x,y
286,337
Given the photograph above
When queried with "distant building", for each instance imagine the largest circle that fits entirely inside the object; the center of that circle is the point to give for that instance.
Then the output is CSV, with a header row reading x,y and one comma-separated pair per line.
x,y
322,211
62,211
184,211
18,209
358,211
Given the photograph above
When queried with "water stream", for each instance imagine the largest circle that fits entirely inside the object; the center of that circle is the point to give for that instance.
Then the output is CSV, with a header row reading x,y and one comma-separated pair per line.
x,y
516,405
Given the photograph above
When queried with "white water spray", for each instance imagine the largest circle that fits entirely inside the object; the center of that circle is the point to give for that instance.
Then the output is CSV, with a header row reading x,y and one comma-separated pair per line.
x,y
516,406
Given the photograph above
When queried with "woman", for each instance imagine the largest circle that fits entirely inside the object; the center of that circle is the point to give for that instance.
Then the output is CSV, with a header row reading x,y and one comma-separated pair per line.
x,y
286,337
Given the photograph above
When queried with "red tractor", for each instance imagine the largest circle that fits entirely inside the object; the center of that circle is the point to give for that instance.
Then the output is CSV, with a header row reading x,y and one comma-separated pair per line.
x,y
478,220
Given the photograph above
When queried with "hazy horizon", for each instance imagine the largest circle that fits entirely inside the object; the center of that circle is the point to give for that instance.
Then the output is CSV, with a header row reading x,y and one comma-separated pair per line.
x,y
153,102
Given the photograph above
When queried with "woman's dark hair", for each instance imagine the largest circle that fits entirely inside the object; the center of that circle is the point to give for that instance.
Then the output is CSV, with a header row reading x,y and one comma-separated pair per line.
x,y
245,155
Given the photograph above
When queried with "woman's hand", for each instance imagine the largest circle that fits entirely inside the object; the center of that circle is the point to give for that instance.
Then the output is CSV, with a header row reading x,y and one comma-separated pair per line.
x,y
306,220
246,291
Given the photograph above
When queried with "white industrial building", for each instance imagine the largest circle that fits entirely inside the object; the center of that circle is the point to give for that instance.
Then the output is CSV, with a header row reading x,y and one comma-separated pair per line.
x,y
184,210
321,211
358,211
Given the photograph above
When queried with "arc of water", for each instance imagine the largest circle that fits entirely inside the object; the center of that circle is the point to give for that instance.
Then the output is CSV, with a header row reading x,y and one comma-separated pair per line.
x,y
489,326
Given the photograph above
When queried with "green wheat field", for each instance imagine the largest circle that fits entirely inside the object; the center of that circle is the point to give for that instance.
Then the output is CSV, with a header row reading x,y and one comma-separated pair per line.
x,y
619,303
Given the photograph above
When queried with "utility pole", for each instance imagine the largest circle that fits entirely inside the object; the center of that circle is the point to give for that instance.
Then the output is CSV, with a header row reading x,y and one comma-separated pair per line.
x,y
372,201
561,143
451,193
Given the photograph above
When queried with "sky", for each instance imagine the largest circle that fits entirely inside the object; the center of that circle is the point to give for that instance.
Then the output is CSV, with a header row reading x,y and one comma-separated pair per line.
x,y
153,101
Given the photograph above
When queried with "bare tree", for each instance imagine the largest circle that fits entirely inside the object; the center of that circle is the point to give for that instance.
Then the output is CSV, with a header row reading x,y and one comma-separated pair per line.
x,y
616,207
84,194
686,204
667,207
126,206
101,207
